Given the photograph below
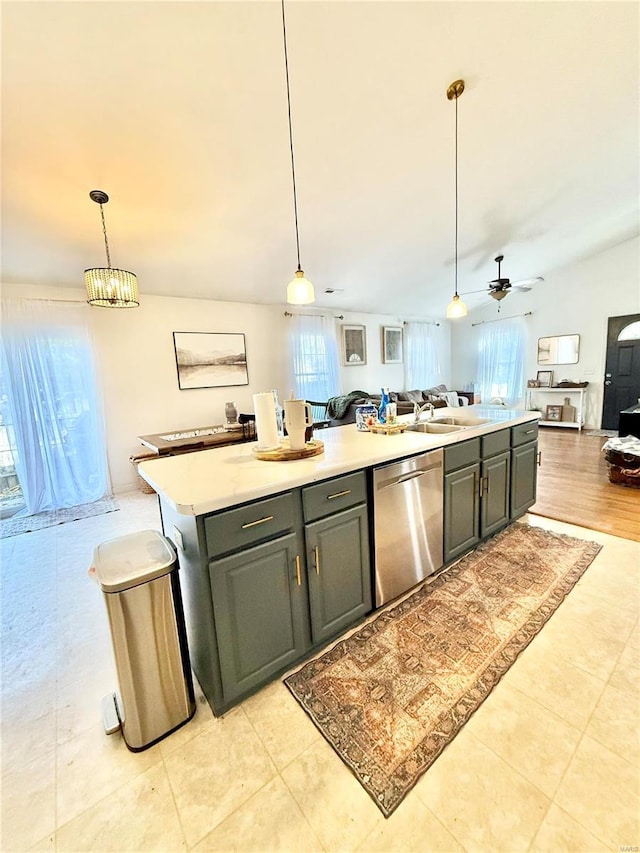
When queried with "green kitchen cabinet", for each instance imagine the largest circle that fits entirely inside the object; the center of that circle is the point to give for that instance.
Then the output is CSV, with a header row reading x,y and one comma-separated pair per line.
x,y
259,604
494,493
524,468
476,491
461,511
338,571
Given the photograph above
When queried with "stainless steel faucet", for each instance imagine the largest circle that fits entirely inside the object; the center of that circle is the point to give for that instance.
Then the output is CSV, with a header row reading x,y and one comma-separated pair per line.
x,y
418,410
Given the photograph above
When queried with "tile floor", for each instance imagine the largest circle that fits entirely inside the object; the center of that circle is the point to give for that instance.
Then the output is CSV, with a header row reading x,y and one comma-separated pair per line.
x,y
548,763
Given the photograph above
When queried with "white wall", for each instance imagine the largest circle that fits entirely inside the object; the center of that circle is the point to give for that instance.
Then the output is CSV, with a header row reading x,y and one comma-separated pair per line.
x,y
137,368
576,299
374,375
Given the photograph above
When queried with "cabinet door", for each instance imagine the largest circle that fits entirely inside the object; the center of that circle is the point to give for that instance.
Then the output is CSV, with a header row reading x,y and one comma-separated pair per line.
x,y
461,511
259,612
494,505
338,571
524,476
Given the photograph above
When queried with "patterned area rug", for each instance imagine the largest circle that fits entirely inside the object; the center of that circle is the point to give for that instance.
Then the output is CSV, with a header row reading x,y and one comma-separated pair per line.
x,y
391,697
28,523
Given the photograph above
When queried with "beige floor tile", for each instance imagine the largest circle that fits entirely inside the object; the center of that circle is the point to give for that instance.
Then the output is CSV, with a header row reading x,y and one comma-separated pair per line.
x,y
563,688
626,674
140,815
28,811
27,732
615,723
216,772
601,791
599,616
270,821
45,845
530,738
338,808
79,703
282,725
201,720
93,765
412,828
560,833
634,637
564,636
484,803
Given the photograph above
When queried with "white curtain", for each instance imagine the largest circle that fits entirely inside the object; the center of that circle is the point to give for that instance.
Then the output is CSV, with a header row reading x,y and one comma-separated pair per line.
x,y
313,357
50,398
421,366
501,355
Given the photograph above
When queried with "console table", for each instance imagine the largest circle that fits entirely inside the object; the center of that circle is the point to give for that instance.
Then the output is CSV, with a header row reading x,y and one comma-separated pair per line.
x,y
532,395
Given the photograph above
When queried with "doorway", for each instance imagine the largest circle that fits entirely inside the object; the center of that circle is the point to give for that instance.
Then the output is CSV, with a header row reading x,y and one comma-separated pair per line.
x,y
622,368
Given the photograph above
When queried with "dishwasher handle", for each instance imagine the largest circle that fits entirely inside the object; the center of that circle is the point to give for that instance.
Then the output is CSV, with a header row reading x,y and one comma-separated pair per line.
x,y
407,477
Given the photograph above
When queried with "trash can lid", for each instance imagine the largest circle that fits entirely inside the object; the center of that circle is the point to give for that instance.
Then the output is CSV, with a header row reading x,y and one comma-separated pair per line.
x,y
132,560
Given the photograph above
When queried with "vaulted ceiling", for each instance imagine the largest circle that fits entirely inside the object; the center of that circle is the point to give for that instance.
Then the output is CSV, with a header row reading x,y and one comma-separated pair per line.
x,y
178,111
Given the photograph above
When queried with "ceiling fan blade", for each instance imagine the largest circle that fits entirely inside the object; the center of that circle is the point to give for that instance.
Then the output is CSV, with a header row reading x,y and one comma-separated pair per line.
x,y
469,292
527,282
522,288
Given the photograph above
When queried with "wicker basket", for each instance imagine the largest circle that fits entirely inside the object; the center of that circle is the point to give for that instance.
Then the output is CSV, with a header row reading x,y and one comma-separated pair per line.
x,y
624,468
136,459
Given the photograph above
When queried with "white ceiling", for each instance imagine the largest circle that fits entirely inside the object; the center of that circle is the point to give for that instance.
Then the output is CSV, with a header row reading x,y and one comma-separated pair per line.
x,y
178,111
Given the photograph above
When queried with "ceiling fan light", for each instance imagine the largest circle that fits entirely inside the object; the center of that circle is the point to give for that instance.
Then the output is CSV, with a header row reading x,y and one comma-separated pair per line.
x,y
498,294
300,290
456,308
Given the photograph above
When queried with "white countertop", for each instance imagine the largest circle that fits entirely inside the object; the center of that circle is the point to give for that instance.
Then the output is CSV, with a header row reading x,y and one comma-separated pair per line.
x,y
209,480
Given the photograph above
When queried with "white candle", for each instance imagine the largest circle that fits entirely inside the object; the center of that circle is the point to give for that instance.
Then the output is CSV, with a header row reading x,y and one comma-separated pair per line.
x,y
266,424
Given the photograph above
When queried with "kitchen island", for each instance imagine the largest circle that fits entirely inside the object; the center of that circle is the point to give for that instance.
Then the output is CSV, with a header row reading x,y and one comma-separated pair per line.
x,y
277,556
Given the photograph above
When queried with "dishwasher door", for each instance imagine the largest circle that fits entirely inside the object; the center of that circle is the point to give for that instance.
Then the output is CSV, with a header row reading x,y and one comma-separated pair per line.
x,y
408,513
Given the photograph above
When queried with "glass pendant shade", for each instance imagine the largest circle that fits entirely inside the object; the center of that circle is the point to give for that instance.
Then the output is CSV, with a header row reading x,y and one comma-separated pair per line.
x,y
456,308
498,294
111,288
300,290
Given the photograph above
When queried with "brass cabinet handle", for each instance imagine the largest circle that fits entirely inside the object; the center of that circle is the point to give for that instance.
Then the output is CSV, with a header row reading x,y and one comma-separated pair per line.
x,y
339,494
298,577
486,485
481,484
316,554
539,458
259,521
529,431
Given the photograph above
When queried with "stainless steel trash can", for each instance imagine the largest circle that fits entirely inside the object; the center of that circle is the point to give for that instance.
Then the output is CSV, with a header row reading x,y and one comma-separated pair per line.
x,y
138,575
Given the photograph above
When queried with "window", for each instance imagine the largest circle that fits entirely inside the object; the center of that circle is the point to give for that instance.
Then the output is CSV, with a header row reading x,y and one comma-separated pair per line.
x,y
51,404
313,353
501,352
422,369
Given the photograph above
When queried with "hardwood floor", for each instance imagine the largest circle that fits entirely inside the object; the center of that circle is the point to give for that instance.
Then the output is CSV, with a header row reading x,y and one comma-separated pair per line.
x,y
573,485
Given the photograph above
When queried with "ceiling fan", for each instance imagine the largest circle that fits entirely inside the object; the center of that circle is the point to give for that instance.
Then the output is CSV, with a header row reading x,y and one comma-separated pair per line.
x,y
499,287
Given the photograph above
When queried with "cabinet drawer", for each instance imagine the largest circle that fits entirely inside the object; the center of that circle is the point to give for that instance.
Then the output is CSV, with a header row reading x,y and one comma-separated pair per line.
x,y
458,455
524,433
237,528
495,442
333,495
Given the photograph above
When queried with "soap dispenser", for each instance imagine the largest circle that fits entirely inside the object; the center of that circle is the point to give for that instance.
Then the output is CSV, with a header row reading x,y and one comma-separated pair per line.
x,y
382,411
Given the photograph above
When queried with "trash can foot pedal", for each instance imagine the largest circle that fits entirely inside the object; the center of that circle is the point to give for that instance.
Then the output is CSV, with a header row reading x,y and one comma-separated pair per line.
x,y
110,715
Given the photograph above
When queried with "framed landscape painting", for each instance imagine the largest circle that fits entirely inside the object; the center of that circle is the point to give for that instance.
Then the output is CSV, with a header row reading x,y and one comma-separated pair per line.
x,y
392,345
210,359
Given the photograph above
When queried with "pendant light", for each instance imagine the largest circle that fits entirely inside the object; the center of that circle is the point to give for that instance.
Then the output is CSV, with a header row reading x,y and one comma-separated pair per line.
x,y
300,289
108,287
456,308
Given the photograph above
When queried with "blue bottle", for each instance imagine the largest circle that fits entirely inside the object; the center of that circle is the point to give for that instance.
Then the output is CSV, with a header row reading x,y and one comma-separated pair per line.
x,y
382,411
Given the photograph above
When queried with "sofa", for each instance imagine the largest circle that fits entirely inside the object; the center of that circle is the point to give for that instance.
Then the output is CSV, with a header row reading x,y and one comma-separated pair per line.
x,y
342,409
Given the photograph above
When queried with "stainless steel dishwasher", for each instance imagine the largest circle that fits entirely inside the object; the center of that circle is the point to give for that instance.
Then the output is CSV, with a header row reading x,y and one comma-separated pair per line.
x,y
408,515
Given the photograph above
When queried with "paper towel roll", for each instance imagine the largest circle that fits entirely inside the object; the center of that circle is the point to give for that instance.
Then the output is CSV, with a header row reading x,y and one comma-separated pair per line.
x,y
266,424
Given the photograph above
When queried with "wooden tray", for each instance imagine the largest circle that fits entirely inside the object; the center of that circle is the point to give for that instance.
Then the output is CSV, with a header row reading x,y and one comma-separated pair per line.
x,y
388,429
285,454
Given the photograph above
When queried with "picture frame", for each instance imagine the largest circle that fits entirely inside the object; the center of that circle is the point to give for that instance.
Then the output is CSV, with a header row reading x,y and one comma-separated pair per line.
x,y
354,345
210,359
553,413
545,378
533,383
392,350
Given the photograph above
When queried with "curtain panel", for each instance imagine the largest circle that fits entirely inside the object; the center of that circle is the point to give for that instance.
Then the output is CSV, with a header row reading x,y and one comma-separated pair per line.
x,y
501,357
313,357
50,398
422,368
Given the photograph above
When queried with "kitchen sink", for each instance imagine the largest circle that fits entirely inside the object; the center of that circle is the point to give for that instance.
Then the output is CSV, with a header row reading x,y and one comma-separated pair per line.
x,y
433,427
461,422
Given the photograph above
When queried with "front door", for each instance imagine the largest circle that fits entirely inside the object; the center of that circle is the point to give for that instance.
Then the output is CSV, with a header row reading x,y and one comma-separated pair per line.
x,y
622,370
